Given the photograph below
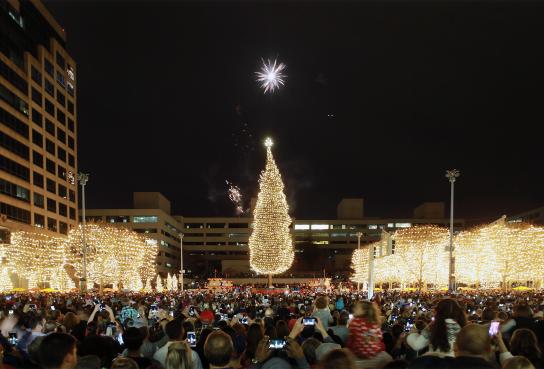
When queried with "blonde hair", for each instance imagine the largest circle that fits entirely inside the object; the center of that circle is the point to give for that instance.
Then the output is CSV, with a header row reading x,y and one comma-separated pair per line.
x,y
124,363
370,311
518,362
178,357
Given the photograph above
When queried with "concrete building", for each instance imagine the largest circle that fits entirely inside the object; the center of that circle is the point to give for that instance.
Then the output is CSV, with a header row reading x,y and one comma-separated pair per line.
x,y
150,216
38,121
220,244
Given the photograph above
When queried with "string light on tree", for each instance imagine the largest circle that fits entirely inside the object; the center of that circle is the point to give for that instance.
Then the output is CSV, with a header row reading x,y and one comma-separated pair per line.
x,y
159,287
359,265
270,244
5,280
147,287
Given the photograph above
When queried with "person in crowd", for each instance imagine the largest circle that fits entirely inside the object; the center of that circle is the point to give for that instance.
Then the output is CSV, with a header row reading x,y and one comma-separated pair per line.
x,y
517,362
322,311
124,363
75,326
523,343
441,334
179,356
522,318
174,331
338,359
365,335
133,339
309,348
341,327
218,349
255,334
58,351
32,323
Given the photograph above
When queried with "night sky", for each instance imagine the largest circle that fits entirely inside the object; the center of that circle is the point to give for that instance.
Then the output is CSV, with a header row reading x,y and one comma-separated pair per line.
x,y
165,88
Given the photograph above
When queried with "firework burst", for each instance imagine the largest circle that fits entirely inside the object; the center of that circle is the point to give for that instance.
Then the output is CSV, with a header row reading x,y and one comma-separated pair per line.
x,y
271,75
235,195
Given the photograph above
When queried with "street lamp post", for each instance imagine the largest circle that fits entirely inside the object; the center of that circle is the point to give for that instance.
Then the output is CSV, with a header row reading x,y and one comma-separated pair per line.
x,y
452,175
83,178
370,291
359,235
181,270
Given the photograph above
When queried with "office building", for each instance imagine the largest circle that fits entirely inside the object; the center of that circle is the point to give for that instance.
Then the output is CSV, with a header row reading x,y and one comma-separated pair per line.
x,y
220,244
535,216
150,216
38,121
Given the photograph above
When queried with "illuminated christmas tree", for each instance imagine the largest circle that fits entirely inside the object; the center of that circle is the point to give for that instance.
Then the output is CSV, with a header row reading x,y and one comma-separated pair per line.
x,y
147,287
174,283
169,282
270,244
158,284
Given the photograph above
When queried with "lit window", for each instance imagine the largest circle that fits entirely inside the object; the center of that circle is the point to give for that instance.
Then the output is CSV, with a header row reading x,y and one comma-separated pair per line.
x,y
403,225
318,226
390,225
372,226
302,227
145,219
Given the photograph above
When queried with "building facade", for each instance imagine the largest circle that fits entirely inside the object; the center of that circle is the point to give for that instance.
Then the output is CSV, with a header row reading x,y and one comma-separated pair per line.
x,y
219,245
151,217
535,216
38,121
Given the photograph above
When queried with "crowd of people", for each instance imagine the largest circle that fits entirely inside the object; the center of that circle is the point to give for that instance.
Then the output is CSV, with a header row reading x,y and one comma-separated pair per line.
x,y
276,330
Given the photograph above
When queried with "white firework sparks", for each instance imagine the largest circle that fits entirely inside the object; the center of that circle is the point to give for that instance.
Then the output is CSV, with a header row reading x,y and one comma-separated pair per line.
x,y
271,75
235,195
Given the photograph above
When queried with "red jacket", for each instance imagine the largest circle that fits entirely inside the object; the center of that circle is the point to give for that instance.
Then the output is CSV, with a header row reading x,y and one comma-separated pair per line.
x,y
365,339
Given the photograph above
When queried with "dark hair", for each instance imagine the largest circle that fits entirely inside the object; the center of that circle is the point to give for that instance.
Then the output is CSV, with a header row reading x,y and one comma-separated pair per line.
x,y
282,330
54,349
308,347
446,309
489,314
254,335
525,343
343,318
522,311
396,364
187,327
338,359
133,338
174,329
218,348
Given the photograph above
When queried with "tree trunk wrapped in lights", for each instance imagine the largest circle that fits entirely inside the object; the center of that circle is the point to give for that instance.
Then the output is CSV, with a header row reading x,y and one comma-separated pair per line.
x,y
147,287
5,280
359,265
60,280
422,250
114,254
270,244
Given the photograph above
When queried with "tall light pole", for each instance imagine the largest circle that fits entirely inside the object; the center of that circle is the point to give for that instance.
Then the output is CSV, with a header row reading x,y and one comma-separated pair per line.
x,y
181,270
452,175
370,292
82,179
359,235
